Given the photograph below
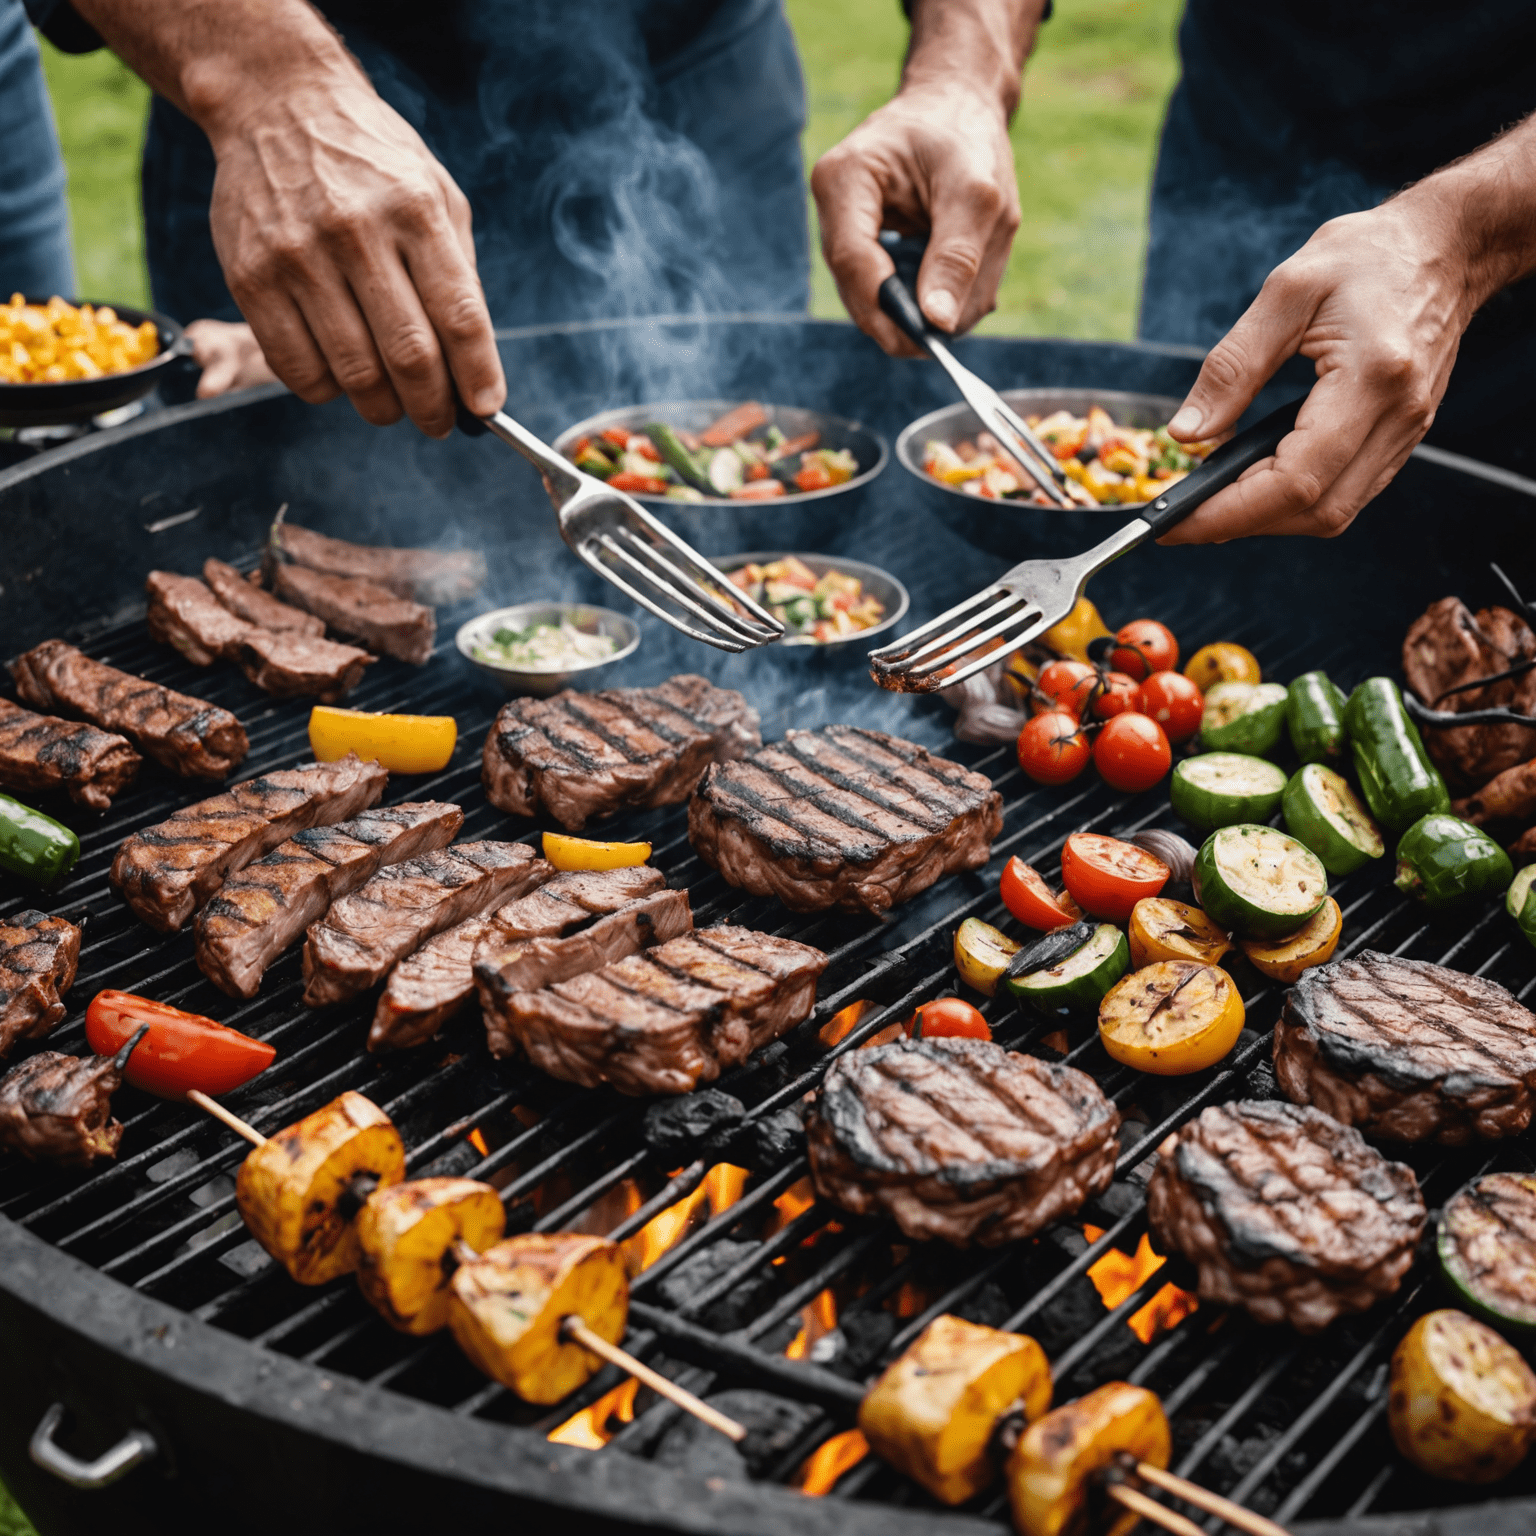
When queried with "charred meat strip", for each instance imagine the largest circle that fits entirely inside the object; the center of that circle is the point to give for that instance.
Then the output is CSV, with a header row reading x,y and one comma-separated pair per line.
x,y
433,576
671,1018
183,613
45,752
960,1139
247,601
39,956
842,817
262,909
394,626
166,872
58,1109
1511,796
1408,1050
181,733
1285,1212
365,934
428,987
577,756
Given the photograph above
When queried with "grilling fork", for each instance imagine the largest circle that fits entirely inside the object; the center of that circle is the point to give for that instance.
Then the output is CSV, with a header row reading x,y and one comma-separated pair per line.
x,y
614,535
1036,594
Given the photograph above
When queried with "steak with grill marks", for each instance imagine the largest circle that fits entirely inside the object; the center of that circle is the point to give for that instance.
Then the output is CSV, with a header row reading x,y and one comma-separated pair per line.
x,y
45,752
960,1139
428,987
1285,1212
39,956
255,606
842,817
577,756
365,934
166,872
394,626
182,733
672,1017
184,614
434,576
1408,1050
58,1109
260,910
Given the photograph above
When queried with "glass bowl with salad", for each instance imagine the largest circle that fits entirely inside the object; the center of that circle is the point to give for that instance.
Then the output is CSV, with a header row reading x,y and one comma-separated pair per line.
x,y
542,647
822,600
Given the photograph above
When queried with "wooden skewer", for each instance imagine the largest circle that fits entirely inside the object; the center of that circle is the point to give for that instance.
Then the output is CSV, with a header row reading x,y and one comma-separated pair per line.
x,y
1212,1503
233,1121
1149,1509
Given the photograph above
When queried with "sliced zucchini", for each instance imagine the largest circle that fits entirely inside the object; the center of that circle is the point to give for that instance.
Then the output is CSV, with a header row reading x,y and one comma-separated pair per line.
x,y
1259,882
1220,789
1171,1017
1325,814
1520,901
1487,1247
1243,717
1079,982
1164,929
1285,959
726,471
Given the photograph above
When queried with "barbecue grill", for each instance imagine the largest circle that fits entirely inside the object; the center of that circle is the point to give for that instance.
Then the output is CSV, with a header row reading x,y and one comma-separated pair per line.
x,y
133,1297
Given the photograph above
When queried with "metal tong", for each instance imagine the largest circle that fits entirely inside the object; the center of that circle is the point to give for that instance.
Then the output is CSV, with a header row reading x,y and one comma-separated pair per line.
x,y
1036,594
614,535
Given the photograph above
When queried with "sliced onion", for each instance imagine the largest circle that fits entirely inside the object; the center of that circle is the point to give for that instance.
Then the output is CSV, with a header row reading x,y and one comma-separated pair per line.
x,y
988,723
1172,849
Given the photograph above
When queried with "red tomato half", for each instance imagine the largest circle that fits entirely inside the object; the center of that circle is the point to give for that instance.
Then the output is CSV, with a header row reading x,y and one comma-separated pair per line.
x,y
950,1018
1069,683
181,1050
1175,703
1120,694
1144,646
1132,753
1052,748
1030,899
1107,877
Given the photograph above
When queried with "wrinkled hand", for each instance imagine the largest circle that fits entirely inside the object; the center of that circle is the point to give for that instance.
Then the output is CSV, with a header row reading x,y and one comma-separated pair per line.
x,y
935,158
1379,301
229,356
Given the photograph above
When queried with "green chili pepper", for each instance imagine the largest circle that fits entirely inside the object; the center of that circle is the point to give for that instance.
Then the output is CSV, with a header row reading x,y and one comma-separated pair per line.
x,y
1446,863
1398,780
34,846
1314,715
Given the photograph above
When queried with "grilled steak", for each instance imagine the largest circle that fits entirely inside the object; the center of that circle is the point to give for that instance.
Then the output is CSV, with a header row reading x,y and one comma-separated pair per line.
x,y
181,733
960,1139
1408,1050
842,817
58,1109
580,755
434,576
166,872
1447,646
183,613
366,933
290,666
45,752
38,959
250,603
427,988
260,910
395,626
671,1018
1285,1212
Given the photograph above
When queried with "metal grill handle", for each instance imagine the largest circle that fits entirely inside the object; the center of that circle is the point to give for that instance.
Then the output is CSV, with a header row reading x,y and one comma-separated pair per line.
x,y
136,1447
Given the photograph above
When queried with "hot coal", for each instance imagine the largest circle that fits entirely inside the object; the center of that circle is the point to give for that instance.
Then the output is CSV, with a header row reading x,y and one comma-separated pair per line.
x,y
686,1123
773,1425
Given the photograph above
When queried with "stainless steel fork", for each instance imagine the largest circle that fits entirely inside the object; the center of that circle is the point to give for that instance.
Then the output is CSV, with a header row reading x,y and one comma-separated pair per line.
x,y
1039,593
639,554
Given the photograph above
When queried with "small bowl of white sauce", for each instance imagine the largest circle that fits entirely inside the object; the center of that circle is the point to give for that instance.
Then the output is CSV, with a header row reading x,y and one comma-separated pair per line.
x,y
540,648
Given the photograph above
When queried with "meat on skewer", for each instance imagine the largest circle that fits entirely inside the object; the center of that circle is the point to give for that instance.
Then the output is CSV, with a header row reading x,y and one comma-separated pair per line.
x,y
390,625
39,956
45,752
256,606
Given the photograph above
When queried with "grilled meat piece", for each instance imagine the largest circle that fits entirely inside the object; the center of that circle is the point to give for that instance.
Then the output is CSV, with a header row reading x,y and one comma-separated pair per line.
x,y
181,733
1523,849
255,606
183,613
673,1017
45,752
1510,796
261,909
39,956
434,576
842,817
290,666
166,872
1408,1050
1447,646
58,1109
960,1139
427,988
577,756
1285,1212
363,935
383,622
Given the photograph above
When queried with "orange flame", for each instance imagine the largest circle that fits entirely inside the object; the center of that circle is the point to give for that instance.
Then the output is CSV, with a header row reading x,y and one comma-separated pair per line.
x,y
721,1187
817,1319
842,1023
1117,1274
594,1427
476,1139
820,1470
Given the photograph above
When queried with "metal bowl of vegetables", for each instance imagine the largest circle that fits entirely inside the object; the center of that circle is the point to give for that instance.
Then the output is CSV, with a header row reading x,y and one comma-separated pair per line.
x,y
719,493
540,648
808,592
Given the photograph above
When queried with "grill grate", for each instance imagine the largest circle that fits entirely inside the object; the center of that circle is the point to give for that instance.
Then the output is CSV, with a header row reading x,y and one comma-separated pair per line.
x,y
1293,1427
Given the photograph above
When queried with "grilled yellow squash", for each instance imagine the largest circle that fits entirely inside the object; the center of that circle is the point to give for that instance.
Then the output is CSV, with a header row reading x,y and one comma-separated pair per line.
x,y
406,1236
297,1192
933,1413
506,1308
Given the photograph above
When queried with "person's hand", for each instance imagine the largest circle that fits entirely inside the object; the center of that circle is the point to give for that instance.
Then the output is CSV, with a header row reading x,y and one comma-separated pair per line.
x,y
935,158
229,356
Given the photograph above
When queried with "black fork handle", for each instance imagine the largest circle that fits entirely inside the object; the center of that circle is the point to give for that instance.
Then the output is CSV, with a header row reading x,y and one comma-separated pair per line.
x,y
896,291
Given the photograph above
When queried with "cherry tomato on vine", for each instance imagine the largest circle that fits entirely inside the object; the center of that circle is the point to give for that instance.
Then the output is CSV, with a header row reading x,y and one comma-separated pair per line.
x,y
1175,703
1144,646
1132,753
1069,683
1052,748
1031,900
1107,877
950,1018
1120,694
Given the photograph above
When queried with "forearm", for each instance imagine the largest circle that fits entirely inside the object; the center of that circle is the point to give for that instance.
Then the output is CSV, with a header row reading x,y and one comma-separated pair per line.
x,y
983,43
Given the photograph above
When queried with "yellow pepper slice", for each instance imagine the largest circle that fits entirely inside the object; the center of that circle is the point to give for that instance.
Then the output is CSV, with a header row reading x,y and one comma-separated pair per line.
x,y
982,953
1171,1017
1070,637
1222,662
1164,929
1285,959
583,853
400,743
